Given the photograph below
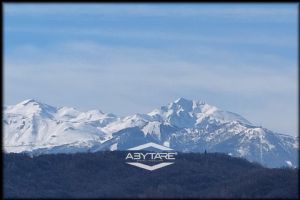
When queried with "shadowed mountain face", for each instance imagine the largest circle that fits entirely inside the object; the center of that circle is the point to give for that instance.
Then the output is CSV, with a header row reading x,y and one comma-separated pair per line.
x,y
106,175
183,125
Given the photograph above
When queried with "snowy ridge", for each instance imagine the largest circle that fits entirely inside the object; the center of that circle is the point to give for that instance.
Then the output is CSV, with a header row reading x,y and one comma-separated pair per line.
x,y
183,125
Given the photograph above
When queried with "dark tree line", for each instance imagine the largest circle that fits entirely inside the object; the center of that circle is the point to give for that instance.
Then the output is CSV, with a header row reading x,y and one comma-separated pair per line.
x,y
105,175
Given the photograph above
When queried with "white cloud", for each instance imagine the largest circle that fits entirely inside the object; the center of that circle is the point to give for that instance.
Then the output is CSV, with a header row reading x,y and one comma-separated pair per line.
x,y
163,67
240,37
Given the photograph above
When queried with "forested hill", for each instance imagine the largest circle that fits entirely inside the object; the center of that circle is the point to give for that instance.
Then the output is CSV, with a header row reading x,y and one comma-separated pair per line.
x,y
106,175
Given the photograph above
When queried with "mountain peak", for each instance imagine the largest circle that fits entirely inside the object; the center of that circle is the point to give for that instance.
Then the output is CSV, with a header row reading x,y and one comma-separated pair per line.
x,y
183,103
27,101
96,112
182,100
30,106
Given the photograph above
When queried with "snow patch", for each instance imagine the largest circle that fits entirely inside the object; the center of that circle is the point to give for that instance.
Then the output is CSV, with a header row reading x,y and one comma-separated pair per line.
x,y
166,143
114,147
289,163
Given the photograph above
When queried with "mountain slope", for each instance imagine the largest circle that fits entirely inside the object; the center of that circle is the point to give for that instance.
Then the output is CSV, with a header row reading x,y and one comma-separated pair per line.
x,y
184,125
30,125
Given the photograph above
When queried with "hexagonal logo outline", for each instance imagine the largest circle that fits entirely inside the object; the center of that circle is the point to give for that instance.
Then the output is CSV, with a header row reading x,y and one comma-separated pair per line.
x,y
148,167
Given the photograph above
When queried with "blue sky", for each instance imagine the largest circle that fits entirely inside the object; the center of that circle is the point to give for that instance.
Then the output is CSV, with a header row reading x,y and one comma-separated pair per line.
x,y
132,58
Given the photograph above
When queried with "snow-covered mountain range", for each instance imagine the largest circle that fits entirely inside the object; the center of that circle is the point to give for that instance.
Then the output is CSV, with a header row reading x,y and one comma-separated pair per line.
x,y
183,125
